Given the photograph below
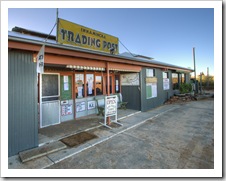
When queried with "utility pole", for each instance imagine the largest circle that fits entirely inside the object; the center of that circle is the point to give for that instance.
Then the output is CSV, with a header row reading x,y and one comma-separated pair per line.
x,y
196,87
201,82
207,78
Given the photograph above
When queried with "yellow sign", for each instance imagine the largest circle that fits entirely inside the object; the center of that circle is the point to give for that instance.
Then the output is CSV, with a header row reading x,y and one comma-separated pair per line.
x,y
151,80
77,35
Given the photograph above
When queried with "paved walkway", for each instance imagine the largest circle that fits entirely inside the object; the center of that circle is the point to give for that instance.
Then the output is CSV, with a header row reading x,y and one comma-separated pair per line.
x,y
171,136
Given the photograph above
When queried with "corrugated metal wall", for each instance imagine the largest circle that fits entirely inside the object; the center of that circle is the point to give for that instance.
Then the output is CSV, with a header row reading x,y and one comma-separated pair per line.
x,y
131,94
162,95
22,102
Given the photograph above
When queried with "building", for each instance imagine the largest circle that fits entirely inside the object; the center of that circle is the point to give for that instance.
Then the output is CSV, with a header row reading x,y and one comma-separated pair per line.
x,y
73,77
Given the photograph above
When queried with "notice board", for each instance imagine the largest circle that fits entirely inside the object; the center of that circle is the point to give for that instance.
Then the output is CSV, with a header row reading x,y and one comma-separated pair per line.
x,y
65,87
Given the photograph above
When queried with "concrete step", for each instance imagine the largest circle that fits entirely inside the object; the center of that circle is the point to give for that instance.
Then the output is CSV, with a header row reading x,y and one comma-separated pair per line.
x,y
41,151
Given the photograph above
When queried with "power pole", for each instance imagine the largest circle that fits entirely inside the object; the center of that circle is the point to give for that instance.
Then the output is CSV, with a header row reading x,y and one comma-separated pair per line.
x,y
196,87
207,78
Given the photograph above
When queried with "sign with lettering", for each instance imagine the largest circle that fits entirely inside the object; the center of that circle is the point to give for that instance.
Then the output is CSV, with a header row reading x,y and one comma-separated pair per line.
x,y
77,35
40,60
110,105
166,84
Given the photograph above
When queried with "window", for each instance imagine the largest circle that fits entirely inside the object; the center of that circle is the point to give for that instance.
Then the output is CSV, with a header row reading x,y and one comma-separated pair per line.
x,y
89,84
175,80
182,78
165,75
166,85
151,84
117,85
79,85
150,72
110,84
99,85
94,84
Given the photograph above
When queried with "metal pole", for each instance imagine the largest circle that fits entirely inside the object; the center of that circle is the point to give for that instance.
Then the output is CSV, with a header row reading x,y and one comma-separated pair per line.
x,y
57,25
194,70
108,89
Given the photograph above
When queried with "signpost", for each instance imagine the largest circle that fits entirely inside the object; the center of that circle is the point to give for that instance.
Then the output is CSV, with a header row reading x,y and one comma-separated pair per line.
x,y
110,110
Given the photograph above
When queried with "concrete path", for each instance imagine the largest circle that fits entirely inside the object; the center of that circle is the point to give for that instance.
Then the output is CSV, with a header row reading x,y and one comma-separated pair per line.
x,y
170,136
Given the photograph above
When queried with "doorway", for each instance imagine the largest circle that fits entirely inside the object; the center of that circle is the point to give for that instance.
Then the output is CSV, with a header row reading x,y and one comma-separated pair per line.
x,y
49,99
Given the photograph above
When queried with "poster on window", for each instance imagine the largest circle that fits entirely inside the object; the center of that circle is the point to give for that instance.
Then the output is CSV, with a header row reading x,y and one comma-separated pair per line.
x,y
150,72
165,84
91,105
116,86
66,85
80,106
66,110
151,90
90,79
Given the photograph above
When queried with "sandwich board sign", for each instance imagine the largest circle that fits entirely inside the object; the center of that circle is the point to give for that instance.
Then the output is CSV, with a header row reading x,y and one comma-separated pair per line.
x,y
111,105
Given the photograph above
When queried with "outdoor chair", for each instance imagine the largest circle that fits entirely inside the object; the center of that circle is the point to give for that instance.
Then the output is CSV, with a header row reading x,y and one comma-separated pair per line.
x,y
121,104
100,105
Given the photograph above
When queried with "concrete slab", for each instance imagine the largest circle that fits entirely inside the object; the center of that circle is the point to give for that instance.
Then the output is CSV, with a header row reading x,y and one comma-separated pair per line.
x,y
154,139
41,151
63,154
166,141
42,162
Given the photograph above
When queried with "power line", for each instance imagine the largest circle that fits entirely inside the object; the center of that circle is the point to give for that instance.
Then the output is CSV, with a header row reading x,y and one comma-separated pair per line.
x,y
50,32
126,48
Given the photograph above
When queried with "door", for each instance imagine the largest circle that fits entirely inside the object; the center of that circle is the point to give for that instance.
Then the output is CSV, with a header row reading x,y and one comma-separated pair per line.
x,y
49,99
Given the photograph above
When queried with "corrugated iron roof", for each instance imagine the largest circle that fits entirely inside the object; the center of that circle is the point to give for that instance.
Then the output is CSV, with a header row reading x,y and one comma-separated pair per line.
x,y
50,42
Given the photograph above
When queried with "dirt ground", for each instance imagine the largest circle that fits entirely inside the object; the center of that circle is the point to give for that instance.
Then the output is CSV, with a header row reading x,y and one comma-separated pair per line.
x,y
78,139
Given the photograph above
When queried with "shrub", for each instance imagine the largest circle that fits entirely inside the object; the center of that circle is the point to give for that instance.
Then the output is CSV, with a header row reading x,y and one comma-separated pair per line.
x,y
185,88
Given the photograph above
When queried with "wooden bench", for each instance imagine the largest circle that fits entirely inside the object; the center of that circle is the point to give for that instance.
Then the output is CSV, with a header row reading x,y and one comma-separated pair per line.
x,y
100,105
121,104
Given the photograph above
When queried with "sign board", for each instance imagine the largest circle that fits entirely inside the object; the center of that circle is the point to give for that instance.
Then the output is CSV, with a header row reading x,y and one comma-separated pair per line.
x,y
151,80
130,79
166,84
77,35
110,105
151,90
40,60
91,105
80,106
66,110
110,110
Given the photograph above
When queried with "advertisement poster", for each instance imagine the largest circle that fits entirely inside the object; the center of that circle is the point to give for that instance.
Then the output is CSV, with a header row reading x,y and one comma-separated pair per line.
x,y
166,84
90,83
91,105
80,92
66,110
66,86
80,106
151,90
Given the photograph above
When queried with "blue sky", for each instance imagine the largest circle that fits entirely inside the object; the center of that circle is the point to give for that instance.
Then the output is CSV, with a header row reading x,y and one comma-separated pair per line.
x,y
166,34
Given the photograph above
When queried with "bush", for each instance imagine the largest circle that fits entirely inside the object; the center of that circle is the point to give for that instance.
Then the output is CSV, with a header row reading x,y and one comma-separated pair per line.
x,y
185,88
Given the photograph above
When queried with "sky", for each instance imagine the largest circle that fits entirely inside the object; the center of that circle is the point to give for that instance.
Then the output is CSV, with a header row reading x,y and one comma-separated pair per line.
x,y
166,34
